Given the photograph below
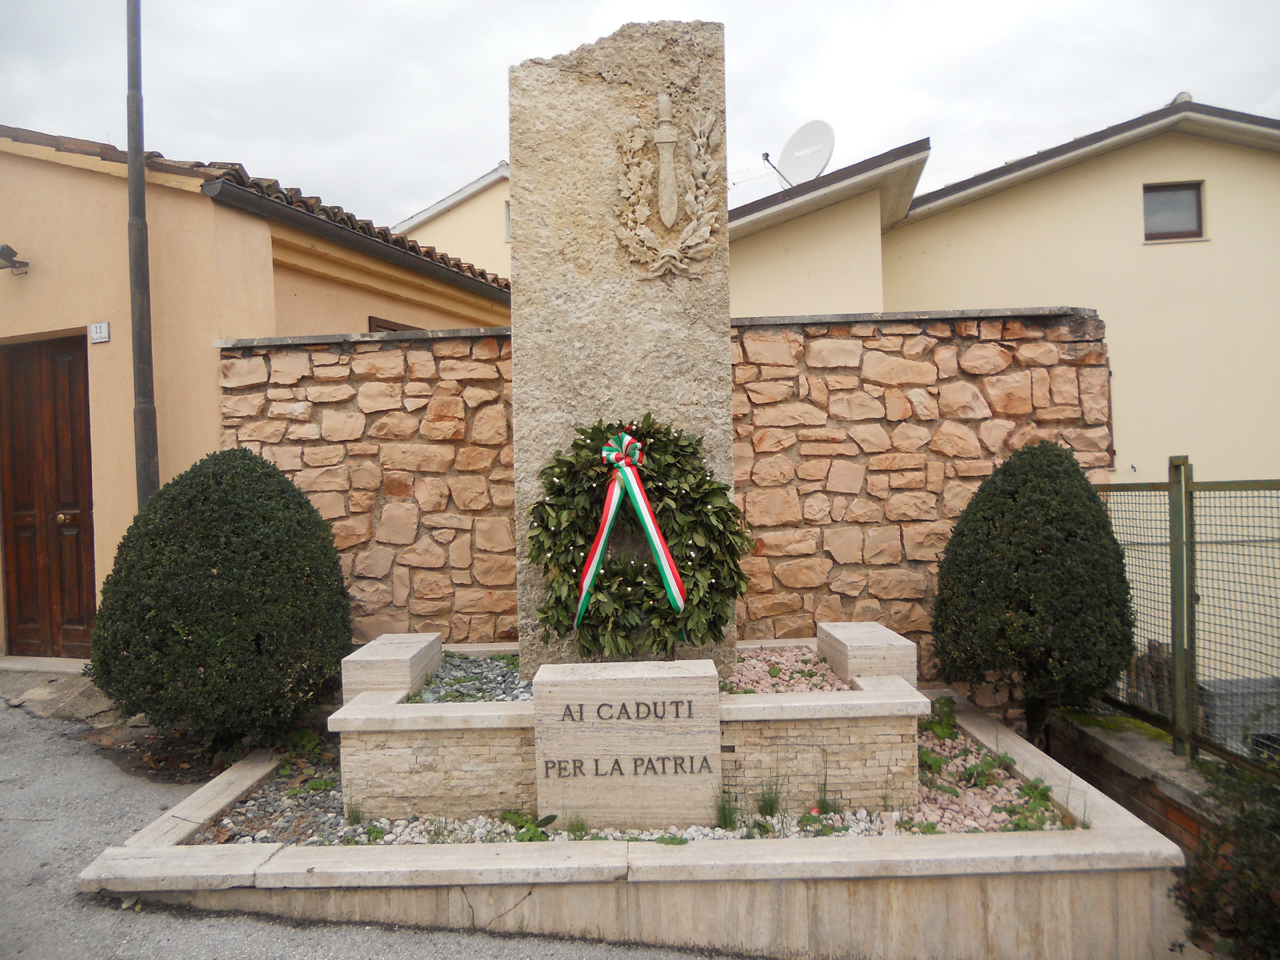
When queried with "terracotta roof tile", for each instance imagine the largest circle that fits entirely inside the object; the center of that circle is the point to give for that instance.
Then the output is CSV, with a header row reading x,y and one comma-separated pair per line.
x,y
271,189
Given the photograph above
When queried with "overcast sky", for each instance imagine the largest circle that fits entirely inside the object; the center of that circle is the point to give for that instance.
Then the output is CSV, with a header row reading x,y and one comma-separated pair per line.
x,y
385,106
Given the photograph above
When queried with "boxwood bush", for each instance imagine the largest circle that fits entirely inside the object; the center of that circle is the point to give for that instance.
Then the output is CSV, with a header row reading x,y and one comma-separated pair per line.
x,y
225,614
1032,592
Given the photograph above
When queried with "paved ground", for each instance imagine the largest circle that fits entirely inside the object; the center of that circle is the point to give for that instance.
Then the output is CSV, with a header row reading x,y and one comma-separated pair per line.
x,y
61,803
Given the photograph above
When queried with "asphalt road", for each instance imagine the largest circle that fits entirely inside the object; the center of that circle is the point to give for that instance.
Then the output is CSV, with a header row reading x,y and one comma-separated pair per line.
x,y
61,803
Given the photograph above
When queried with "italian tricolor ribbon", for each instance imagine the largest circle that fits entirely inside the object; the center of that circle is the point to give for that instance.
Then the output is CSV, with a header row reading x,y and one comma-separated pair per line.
x,y
625,453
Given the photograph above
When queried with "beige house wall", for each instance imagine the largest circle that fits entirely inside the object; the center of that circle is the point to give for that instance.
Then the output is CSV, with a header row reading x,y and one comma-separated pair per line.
x,y
475,230
216,274
70,223
1192,326
826,262
308,305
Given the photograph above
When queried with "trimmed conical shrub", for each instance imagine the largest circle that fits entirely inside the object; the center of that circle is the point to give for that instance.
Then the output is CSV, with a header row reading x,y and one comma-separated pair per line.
x,y
225,614
1032,591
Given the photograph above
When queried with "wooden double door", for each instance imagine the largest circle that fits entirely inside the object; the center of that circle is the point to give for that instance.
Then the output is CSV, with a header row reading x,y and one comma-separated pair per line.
x,y
46,498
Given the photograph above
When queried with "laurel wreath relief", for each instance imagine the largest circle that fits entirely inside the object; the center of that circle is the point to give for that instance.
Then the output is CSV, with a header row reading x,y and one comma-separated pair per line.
x,y
698,239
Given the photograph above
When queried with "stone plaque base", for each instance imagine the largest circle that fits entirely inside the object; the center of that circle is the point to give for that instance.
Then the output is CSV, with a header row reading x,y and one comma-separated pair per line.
x,y
628,744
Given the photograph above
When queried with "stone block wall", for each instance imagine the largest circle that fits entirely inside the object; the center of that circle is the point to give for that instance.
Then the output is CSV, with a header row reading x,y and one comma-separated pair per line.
x,y
405,447
859,440
866,762
458,773
858,444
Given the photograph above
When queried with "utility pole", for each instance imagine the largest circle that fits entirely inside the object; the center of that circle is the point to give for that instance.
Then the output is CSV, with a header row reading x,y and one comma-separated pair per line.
x,y
145,441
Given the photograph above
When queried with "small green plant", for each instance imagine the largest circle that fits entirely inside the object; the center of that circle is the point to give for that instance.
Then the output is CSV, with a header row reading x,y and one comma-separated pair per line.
x,y
762,827
671,840
528,830
775,671
827,804
355,816
983,773
577,828
769,800
942,721
375,832
930,761
295,792
726,811
319,785
1232,883
510,660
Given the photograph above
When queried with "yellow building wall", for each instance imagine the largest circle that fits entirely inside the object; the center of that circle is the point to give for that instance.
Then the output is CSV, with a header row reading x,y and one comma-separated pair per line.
x,y
1193,327
475,230
210,278
216,274
826,262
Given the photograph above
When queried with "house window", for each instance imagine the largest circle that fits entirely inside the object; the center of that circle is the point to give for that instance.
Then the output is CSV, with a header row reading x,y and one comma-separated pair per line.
x,y
1171,211
507,227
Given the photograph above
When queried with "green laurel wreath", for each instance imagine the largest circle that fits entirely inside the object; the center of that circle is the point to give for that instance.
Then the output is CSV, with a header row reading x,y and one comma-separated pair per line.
x,y
629,609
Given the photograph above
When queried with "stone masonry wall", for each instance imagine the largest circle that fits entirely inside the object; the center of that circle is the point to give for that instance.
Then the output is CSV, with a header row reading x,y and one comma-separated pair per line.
x,y
450,773
405,447
857,446
865,762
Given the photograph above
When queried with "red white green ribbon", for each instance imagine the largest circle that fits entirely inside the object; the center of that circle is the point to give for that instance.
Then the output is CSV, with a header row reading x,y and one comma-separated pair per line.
x,y
625,453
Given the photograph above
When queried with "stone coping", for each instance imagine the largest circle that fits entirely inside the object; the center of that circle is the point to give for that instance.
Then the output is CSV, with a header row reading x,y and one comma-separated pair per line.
x,y
186,819
918,316
395,336
483,649
376,711
894,698
367,714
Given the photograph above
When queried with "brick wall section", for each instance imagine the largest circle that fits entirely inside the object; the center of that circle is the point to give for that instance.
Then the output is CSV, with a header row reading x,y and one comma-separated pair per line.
x,y
447,773
462,773
405,447
867,762
1142,797
859,444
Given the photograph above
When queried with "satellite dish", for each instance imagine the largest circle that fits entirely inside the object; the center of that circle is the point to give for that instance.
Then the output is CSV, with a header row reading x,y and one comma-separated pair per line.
x,y
806,154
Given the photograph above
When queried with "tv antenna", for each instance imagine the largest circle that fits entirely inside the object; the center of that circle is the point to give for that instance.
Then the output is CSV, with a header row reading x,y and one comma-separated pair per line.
x,y
806,155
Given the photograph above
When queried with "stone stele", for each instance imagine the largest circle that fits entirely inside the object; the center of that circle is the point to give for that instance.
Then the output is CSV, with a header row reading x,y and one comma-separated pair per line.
x,y
628,744
619,257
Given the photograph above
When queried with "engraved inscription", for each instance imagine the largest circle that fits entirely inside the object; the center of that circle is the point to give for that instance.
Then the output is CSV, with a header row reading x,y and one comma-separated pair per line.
x,y
628,744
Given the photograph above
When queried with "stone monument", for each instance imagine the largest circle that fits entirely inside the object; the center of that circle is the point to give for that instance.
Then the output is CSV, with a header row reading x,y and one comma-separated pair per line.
x,y
620,258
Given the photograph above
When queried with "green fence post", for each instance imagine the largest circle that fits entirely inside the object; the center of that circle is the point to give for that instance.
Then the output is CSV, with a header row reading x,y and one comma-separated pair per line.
x,y
1180,593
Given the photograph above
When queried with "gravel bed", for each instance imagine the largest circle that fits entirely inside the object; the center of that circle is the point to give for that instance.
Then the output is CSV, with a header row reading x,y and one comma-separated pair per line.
x,y
301,804
964,788
463,679
785,670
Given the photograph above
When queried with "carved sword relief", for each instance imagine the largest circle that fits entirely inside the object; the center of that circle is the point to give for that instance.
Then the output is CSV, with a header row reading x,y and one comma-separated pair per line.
x,y
681,255
665,138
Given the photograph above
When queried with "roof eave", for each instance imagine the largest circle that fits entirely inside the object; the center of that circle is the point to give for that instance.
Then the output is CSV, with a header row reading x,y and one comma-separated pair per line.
x,y
250,201
1225,128
501,172
896,180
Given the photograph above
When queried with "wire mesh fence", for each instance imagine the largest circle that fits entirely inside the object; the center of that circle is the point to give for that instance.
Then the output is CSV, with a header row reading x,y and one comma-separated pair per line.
x,y
1140,519
1236,651
1209,664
